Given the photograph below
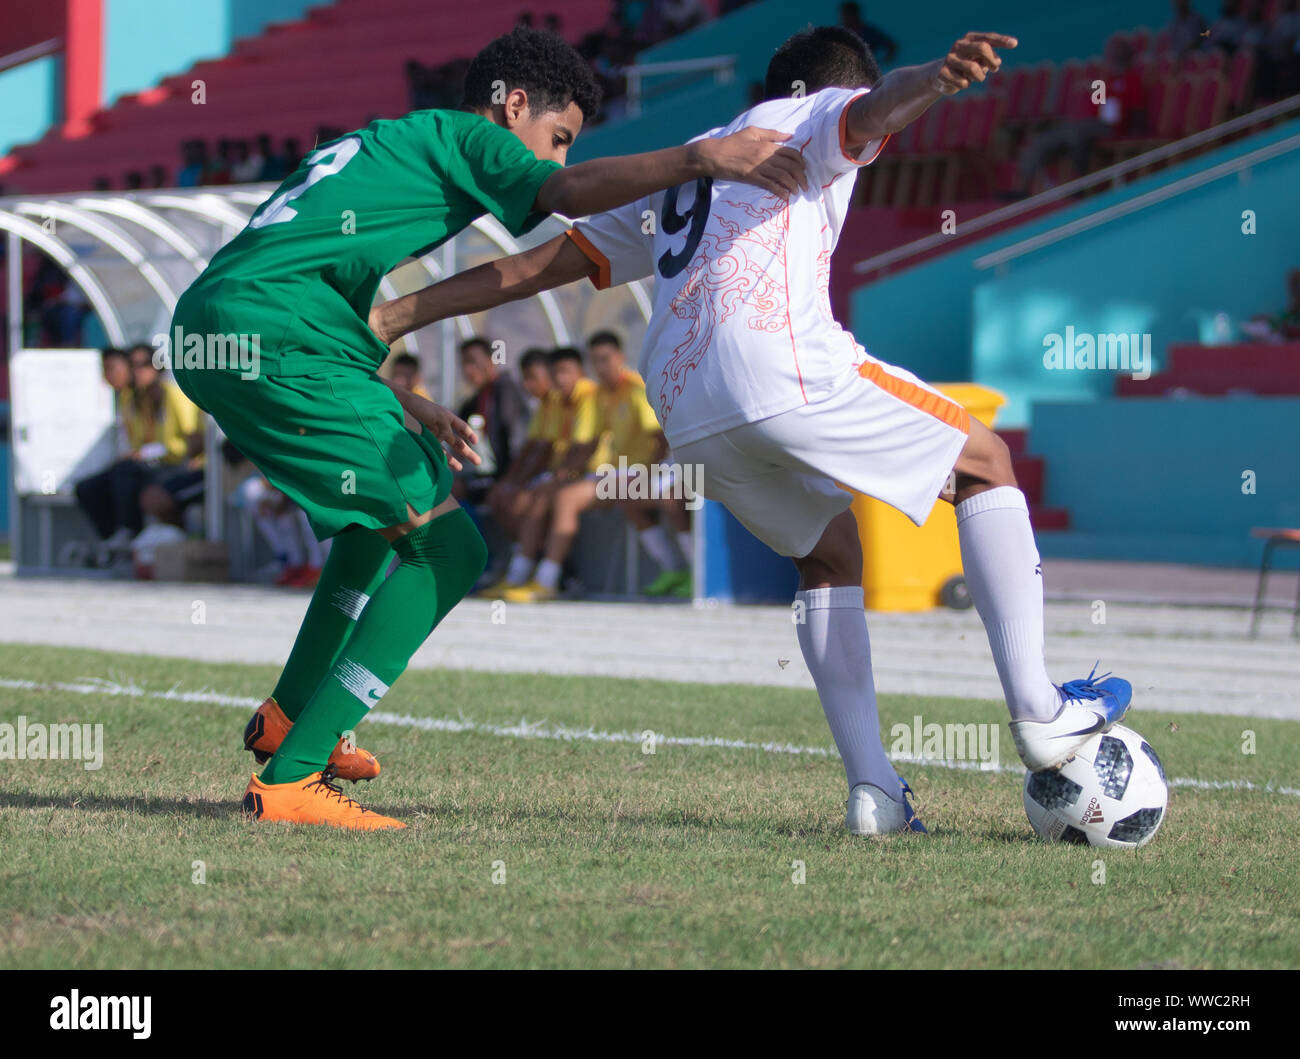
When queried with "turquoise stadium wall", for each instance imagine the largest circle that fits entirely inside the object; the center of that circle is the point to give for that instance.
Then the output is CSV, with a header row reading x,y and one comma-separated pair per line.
x,y
1159,480
147,40
33,100
1173,270
1168,270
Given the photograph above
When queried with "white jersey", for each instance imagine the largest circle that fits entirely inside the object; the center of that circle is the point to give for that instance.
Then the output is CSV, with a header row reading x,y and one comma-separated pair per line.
x,y
742,326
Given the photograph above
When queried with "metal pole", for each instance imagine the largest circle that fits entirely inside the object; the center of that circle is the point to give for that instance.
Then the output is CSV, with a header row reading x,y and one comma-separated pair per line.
x,y
14,329
447,384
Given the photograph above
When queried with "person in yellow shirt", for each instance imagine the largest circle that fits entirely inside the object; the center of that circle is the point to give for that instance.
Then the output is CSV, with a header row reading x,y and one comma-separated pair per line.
x,y
562,448
626,442
162,471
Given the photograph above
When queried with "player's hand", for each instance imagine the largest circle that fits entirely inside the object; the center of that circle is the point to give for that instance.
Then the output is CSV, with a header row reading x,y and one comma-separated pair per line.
x,y
972,58
755,156
457,437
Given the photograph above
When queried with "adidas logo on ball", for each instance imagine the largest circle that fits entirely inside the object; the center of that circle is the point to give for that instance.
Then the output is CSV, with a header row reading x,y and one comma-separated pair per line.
x,y
1092,815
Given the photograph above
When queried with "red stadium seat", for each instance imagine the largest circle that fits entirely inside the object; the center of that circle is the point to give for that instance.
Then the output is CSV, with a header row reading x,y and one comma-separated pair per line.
x,y
1241,80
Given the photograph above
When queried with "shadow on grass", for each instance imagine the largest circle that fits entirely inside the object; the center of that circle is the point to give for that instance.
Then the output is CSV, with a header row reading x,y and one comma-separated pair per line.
x,y
126,803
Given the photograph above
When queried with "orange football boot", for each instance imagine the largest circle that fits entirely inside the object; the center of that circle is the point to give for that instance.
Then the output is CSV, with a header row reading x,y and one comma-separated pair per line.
x,y
267,728
314,800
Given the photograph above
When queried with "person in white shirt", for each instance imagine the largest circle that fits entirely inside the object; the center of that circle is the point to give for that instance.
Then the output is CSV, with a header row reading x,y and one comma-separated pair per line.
x,y
755,382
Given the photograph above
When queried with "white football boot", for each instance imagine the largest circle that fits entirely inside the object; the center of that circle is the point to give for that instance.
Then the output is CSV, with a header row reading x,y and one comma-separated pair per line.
x,y
873,812
1088,706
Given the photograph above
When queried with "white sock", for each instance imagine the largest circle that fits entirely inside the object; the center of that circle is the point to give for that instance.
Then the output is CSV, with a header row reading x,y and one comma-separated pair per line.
x,y
833,639
686,542
1004,575
548,573
657,545
520,568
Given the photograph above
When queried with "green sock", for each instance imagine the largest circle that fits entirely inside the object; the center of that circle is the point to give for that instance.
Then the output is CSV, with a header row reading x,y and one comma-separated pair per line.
x,y
353,571
441,560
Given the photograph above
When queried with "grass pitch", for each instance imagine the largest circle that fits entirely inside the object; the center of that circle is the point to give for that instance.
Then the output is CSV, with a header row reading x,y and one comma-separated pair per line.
x,y
566,849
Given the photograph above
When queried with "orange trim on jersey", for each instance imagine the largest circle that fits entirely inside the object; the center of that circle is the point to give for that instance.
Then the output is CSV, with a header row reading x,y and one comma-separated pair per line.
x,y
917,396
601,279
844,134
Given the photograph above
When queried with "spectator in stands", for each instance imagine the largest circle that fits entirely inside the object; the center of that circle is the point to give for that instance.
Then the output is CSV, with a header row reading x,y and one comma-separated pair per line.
x,y
679,16
272,164
1257,25
555,454
406,374
1228,31
157,176
1278,74
552,24
116,366
194,158
634,434
168,431
882,45
1186,28
246,168
1123,111
417,86
292,155
217,170
164,436
1285,326
133,181
535,375
102,183
633,441
497,411
299,556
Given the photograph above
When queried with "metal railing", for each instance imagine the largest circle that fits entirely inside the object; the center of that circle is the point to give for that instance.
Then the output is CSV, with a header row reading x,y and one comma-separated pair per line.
x,y
1110,175
1140,202
26,55
723,68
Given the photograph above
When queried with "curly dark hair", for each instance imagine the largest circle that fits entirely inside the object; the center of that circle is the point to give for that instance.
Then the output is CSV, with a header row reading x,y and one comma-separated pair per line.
x,y
542,64
820,57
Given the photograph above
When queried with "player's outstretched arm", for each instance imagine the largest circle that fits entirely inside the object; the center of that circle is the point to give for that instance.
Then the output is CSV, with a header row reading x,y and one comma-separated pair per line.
x,y
551,264
750,156
903,95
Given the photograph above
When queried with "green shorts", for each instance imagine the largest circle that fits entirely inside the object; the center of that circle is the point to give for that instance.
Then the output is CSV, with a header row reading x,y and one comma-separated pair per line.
x,y
334,442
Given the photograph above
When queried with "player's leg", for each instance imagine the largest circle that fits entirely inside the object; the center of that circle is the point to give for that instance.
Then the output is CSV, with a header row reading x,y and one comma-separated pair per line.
x,y
806,517
1004,574
442,555
564,505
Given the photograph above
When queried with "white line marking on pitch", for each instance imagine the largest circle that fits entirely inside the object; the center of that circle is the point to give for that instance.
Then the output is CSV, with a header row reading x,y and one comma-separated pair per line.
x,y
524,729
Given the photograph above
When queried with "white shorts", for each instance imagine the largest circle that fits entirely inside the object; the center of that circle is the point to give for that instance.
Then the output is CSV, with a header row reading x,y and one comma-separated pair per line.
x,y
882,432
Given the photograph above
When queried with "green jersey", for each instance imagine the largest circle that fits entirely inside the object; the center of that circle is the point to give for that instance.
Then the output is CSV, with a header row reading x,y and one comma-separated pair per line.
x,y
303,274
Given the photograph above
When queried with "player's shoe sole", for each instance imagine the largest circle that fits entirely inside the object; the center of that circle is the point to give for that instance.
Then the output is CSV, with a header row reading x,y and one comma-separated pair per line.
x,y
1088,707
870,811
313,800
268,726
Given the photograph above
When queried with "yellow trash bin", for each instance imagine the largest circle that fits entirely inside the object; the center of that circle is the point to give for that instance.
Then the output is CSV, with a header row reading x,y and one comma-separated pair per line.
x,y
907,567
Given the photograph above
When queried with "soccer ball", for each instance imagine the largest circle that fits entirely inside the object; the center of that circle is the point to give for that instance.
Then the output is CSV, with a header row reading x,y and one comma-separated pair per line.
x,y
1113,792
